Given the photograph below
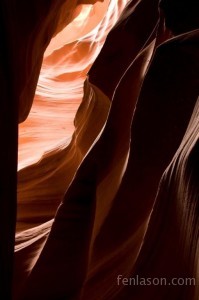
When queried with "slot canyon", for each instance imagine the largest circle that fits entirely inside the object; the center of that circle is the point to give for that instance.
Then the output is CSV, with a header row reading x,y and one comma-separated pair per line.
x,y
99,120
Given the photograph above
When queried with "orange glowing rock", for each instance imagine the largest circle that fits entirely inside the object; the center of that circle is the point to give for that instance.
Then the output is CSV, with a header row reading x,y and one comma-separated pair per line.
x,y
107,101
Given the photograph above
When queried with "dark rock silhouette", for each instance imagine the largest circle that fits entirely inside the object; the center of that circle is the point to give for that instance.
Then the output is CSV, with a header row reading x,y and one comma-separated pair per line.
x,y
121,200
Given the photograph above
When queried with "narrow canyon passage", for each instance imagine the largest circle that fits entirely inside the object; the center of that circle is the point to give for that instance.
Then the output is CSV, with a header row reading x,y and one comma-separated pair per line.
x,y
100,105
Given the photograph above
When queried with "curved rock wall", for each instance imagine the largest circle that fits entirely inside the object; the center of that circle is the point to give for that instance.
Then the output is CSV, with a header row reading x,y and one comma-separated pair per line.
x,y
108,153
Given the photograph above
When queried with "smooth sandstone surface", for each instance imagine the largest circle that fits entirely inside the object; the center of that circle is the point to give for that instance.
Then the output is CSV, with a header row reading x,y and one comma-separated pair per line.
x,y
107,172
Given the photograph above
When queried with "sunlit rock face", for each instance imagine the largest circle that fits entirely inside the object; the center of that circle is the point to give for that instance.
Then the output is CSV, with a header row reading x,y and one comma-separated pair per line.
x,y
107,194
59,92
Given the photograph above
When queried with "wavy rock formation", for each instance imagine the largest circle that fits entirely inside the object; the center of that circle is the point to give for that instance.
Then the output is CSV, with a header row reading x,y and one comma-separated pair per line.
x,y
107,191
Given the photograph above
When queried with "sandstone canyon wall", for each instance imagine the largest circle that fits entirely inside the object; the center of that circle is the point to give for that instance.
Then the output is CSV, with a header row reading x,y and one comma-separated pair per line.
x,y
106,181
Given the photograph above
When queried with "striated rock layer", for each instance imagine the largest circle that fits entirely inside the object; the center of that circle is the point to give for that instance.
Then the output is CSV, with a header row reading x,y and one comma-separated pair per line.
x,y
108,152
